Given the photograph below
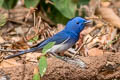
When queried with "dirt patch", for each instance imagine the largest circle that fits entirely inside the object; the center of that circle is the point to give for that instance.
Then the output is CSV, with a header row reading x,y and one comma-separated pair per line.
x,y
98,68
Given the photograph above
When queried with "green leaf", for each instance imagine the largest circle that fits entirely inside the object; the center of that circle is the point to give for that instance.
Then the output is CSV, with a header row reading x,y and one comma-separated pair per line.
x,y
9,4
63,11
42,65
66,7
31,3
83,2
36,38
36,77
31,40
56,16
1,2
53,13
48,46
2,20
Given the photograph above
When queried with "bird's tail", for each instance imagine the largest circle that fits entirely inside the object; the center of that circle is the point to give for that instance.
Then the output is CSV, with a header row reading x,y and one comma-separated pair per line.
x,y
22,52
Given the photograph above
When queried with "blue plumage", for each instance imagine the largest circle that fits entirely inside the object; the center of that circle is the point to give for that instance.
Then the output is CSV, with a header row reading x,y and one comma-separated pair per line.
x,y
64,39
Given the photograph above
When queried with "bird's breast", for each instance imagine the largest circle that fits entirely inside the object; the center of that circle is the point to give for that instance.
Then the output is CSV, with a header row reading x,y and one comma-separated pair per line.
x,y
59,48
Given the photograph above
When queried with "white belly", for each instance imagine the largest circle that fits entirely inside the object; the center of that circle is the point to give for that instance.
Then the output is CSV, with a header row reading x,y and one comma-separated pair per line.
x,y
59,48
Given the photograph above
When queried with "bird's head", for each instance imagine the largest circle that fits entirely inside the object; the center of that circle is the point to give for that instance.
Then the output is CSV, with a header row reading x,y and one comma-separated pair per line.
x,y
76,25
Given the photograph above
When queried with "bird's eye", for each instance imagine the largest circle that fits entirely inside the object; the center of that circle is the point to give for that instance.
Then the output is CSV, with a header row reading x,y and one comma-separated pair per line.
x,y
77,22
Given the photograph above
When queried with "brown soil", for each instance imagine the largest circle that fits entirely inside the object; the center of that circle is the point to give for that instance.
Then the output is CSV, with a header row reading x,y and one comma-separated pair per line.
x,y
98,68
100,65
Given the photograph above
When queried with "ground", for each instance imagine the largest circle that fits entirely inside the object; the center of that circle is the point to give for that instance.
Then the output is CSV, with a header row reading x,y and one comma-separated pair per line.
x,y
98,47
98,68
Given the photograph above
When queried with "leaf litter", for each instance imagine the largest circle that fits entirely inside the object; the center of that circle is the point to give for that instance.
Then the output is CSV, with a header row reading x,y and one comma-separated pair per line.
x,y
98,47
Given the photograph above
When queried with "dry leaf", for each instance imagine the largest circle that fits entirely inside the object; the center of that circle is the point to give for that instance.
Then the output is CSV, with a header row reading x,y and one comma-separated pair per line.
x,y
19,30
33,56
9,63
16,39
109,15
80,41
93,5
35,70
32,33
105,4
1,40
109,35
60,27
95,52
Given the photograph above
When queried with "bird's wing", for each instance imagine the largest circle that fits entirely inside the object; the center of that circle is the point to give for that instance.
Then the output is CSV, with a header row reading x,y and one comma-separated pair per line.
x,y
59,38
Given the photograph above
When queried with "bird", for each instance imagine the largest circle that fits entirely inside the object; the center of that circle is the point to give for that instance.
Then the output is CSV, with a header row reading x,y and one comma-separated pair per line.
x,y
64,39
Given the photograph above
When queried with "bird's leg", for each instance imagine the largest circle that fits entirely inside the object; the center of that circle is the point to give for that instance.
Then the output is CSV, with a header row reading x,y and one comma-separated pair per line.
x,y
57,56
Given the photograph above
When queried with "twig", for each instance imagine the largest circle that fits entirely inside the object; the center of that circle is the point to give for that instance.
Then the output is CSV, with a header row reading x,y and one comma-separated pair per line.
x,y
72,50
3,50
80,48
1,57
34,18
85,43
48,1
7,42
18,22
44,17
31,11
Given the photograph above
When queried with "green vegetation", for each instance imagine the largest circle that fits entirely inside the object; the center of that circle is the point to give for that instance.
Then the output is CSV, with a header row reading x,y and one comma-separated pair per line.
x,y
43,62
59,11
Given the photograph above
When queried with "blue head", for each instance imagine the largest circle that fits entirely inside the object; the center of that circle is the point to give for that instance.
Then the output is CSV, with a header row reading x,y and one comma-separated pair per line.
x,y
76,25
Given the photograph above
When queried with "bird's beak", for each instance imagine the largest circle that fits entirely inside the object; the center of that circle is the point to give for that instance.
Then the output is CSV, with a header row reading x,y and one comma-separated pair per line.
x,y
88,21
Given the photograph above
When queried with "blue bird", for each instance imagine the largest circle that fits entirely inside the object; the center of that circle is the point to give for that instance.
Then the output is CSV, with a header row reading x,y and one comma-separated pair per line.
x,y
64,39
